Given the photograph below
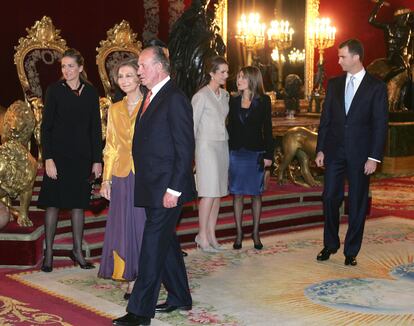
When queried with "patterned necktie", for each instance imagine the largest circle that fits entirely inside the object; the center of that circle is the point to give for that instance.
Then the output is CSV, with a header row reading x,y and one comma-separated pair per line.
x,y
146,103
349,94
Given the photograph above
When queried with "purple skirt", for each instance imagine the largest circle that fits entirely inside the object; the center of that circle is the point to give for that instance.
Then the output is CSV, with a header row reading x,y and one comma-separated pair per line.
x,y
124,229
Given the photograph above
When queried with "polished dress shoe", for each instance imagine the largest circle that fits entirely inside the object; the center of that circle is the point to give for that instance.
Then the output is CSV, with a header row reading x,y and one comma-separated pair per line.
x,y
350,260
165,307
325,253
131,320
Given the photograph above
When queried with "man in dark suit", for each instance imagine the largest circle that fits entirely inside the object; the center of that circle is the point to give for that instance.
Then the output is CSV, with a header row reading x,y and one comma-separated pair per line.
x,y
351,141
163,150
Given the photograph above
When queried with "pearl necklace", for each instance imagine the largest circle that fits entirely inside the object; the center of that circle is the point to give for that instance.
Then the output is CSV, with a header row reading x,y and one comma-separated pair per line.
x,y
135,102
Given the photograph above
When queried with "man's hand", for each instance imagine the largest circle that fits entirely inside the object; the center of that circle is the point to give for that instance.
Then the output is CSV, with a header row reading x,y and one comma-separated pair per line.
x,y
319,159
370,167
169,200
51,170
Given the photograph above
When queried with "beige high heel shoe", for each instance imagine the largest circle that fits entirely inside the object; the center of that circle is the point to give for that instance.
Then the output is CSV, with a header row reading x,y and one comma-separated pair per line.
x,y
208,249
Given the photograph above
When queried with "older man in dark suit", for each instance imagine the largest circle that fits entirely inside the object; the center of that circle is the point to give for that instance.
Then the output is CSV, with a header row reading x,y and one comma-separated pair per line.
x,y
163,150
351,141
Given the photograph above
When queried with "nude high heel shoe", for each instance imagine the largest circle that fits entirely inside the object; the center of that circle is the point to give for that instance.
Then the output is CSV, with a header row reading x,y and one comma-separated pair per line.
x,y
208,248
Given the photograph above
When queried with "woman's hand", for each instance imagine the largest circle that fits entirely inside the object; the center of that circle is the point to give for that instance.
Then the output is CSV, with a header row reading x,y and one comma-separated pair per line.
x,y
267,163
97,169
51,171
106,190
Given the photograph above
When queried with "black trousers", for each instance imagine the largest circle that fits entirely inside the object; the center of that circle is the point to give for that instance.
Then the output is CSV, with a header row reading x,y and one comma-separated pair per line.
x,y
333,195
160,260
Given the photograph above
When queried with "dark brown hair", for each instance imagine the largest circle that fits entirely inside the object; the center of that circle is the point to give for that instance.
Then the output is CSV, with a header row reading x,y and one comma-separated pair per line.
x,y
354,47
212,65
254,79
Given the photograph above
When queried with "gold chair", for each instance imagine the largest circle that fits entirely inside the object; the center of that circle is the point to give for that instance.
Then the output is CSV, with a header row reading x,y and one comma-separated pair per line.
x,y
121,43
37,60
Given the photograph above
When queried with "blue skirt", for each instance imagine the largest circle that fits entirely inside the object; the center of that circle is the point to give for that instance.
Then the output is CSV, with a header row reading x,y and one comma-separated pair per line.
x,y
246,173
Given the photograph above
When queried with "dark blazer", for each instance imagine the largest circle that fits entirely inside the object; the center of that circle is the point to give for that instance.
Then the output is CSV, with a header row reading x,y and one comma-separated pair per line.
x,y
256,133
71,124
163,148
362,132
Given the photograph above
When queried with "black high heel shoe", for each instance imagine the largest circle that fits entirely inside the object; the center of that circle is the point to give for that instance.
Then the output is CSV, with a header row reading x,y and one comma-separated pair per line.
x,y
258,245
86,265
238,242
45,268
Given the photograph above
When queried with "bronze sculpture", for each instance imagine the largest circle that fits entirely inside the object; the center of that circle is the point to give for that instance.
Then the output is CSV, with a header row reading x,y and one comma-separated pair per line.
x,y
299,142
18,167
193,39
395,68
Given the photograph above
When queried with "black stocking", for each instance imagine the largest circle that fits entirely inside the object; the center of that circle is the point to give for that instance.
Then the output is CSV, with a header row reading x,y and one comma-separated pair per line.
x,y
78,220
238,215
256,210
51,218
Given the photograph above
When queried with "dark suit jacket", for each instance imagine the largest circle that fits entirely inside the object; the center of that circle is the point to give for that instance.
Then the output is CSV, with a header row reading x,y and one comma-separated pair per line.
x,y
256,133
163,148
362,132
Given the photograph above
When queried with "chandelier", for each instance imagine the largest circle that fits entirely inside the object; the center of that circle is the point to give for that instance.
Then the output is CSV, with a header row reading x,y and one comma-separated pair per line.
x,y
277,56
322,35
280,34
296,56
250,31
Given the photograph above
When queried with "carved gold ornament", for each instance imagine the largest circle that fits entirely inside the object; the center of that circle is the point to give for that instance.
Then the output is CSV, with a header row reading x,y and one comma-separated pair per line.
x,y
18,167
42,35
121,42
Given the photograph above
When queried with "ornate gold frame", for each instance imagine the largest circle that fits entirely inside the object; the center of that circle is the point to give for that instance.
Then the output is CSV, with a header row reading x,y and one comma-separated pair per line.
x,y
42,35
221,18
119,38
312,11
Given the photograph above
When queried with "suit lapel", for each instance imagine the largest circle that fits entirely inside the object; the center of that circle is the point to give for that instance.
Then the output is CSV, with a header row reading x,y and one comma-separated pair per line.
x,y
154,102
341,92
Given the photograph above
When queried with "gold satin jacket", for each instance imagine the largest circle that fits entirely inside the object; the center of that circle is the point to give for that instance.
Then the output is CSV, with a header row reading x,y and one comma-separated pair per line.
x,y
117,154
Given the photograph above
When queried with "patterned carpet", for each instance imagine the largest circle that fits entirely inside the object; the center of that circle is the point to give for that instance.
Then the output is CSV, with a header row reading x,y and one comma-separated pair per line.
x,y
281,285
393,196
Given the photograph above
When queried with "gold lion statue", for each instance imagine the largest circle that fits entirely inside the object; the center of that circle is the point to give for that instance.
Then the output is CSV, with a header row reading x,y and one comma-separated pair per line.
x,y
299,142
18,167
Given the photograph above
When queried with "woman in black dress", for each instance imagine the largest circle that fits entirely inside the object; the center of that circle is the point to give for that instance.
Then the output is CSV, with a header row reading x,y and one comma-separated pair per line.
x,y
72,149
251,147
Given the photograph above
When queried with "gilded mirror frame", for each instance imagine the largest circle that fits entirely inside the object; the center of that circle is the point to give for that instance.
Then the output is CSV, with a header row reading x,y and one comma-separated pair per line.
x,y
311,13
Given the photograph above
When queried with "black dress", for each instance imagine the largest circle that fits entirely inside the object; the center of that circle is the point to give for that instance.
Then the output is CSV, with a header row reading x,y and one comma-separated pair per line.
x,y
71,136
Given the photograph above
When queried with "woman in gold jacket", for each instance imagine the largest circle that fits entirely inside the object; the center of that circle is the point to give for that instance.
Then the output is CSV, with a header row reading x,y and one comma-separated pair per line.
x,y
125,222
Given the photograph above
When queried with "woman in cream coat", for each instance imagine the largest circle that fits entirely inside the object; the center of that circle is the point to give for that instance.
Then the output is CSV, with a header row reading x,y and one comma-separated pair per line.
x,y
211,106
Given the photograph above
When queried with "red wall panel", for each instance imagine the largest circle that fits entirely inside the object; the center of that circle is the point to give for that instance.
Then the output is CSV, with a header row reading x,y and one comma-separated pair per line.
x,y
351,20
